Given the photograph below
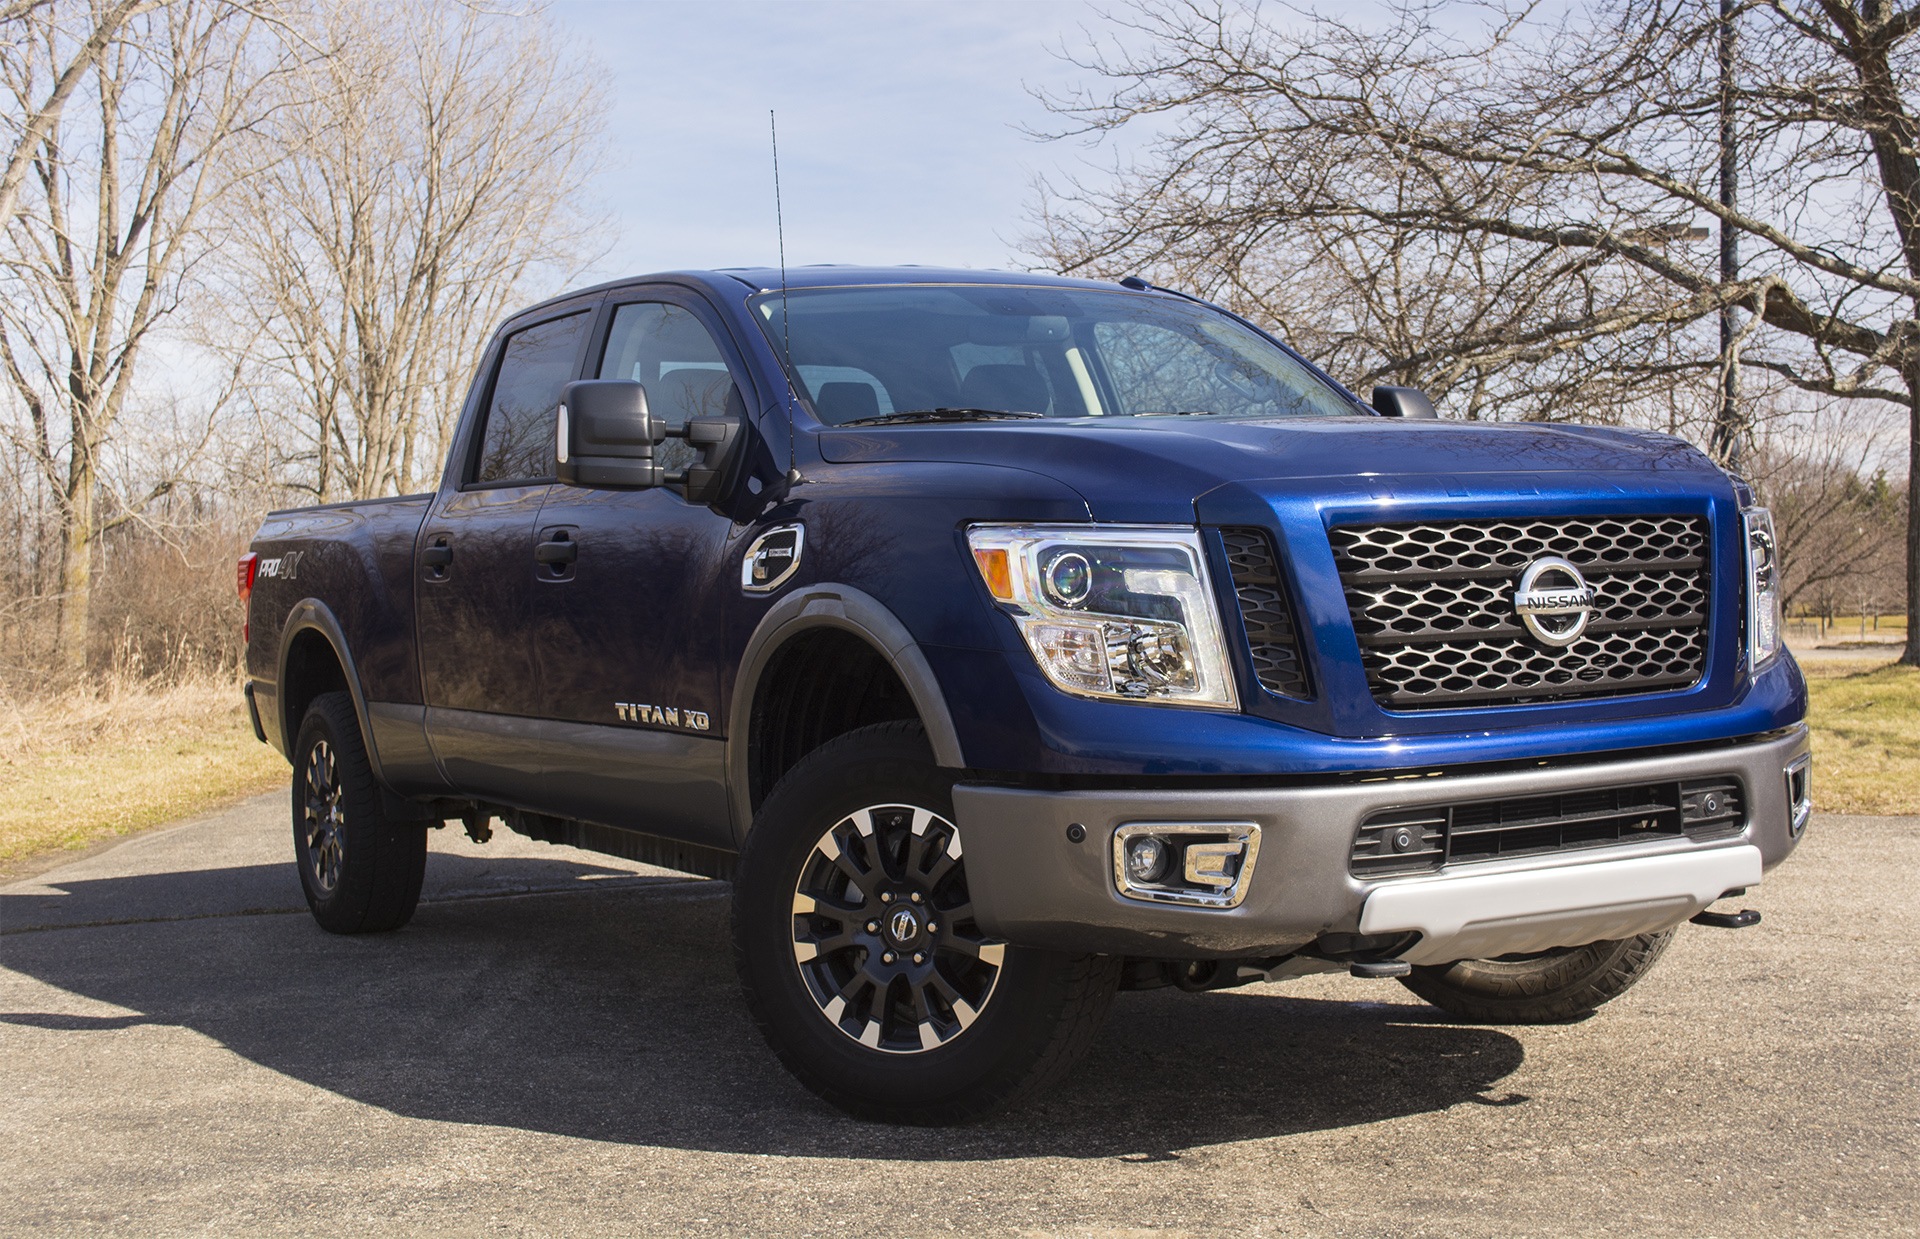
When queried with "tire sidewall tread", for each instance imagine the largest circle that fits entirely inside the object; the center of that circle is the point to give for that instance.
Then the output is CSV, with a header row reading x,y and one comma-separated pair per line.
x,y
383,862
1046,1007
1559,987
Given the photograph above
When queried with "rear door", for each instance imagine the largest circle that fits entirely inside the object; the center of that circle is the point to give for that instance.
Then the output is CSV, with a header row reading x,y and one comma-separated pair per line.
x,y
476,571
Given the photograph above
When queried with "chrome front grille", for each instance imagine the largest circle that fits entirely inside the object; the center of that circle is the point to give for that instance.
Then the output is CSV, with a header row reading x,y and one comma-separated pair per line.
x,y
1432,605
1423,839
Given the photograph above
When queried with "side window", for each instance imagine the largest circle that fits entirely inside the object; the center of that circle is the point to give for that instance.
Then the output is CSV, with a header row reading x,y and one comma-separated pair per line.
x,y
666,350
517,444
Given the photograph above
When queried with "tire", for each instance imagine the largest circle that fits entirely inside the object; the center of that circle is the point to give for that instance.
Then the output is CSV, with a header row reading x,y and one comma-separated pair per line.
x,y
860,959
361,871
1550,987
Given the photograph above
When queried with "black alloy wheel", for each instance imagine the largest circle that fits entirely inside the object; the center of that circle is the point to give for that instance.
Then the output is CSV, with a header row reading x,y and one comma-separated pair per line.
x,y
360,869
320,855
883,931
855,938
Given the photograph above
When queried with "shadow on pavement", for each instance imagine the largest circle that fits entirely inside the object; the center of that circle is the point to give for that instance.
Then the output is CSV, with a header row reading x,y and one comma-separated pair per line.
x,y
614,1015
238,890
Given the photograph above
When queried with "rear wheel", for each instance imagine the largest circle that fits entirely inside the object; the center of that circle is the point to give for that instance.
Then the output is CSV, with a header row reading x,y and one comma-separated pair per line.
x,y
862,961
1547,987
360,870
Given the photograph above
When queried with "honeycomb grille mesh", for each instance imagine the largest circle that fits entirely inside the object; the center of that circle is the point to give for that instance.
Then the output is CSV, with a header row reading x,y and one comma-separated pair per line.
x,y
1271,637
1432,605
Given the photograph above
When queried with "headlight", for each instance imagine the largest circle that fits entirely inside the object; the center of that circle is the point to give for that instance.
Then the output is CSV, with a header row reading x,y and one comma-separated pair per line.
x,y
1121,612
1763,587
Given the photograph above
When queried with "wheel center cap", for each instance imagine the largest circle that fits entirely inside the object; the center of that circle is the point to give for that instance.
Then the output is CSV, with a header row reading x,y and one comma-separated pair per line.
x,y
903,925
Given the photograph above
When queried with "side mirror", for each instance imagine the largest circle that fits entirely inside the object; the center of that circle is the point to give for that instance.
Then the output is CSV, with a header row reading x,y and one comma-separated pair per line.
x,y
717,439
1403,402
604,436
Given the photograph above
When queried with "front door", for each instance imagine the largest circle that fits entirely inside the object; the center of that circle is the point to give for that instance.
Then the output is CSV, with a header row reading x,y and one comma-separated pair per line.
x,y
626,631
474,564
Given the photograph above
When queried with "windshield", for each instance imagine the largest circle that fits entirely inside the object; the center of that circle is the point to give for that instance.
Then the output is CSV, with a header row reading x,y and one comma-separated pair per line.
x,y
868,352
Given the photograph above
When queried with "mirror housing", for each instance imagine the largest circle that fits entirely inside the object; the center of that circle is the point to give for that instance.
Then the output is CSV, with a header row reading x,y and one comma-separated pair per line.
x,y
604,435
1403,402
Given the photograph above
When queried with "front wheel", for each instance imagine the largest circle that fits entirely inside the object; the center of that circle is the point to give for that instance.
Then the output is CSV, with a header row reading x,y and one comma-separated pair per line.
x,y
360,870
1548,987
857,946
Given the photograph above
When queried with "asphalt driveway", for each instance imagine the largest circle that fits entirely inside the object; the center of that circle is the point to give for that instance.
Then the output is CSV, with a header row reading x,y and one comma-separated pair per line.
x,y
556,1046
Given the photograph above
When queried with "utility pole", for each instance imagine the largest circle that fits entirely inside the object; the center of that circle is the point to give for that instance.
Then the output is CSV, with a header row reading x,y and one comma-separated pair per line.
x,y
1729,429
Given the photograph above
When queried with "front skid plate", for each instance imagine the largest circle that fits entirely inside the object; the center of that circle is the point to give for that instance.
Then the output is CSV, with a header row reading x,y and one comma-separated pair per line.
x,y
1483,915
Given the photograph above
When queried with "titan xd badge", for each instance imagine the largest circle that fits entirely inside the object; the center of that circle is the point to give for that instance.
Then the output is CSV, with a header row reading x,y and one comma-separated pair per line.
x,y
1554,601
773,557
663,716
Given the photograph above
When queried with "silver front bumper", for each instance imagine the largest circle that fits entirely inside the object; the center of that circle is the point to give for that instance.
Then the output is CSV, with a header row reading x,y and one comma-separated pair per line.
x,y
1033,884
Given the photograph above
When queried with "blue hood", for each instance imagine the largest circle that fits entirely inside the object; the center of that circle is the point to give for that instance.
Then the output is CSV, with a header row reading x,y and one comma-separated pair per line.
x,y
1157,468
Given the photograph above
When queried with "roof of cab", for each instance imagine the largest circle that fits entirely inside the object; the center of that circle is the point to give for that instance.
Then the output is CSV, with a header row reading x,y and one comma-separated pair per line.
x,y
825,275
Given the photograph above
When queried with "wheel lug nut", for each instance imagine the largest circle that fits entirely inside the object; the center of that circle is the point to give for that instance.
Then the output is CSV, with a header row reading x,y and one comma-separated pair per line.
x,y
873,927
886,896
916,896
919,958
886,957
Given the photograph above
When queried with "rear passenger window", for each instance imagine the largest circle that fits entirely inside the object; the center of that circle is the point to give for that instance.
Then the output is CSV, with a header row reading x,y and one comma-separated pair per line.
x,y
666,350
517,444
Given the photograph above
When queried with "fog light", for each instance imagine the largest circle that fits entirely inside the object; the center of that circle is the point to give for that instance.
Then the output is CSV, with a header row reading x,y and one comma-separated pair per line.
x,y
1146,859
1198,864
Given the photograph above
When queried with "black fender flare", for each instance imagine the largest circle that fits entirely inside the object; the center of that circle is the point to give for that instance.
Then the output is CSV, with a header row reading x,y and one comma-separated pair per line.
x,y
311,614
831,605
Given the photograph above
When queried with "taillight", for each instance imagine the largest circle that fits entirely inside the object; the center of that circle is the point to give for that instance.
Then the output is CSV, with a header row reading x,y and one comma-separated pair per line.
x,y
248,564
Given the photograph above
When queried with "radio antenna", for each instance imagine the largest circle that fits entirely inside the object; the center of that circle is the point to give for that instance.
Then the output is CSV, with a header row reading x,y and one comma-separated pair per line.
x,y
786,329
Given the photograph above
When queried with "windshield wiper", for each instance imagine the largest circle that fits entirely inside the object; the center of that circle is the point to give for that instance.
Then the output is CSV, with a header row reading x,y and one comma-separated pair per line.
x,y
941,415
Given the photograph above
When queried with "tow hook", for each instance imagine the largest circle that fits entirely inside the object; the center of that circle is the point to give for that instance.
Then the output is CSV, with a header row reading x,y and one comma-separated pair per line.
x,y
1728,920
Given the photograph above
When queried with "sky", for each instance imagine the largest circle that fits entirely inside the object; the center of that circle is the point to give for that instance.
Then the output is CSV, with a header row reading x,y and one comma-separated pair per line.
x,y
899,127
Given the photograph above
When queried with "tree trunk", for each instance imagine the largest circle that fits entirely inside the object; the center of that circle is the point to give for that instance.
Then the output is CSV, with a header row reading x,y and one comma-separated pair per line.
x,y
76,566
1911,655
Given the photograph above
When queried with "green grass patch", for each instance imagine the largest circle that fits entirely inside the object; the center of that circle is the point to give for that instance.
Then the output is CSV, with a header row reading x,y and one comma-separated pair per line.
x,y
1865,718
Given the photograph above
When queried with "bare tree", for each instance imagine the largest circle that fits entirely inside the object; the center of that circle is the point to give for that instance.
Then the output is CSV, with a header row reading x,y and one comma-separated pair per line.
x,y
39,112
1568,157
433,164
105,232
1839,520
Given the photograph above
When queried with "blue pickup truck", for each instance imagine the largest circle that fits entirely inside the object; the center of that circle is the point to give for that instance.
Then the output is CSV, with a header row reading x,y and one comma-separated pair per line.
x,y
1011,640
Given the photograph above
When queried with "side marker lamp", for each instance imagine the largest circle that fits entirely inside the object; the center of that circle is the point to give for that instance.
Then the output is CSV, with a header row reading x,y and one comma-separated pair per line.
x,y
993,567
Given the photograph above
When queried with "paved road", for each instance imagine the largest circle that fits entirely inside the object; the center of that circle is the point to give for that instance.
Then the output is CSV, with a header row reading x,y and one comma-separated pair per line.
x,y
556,1046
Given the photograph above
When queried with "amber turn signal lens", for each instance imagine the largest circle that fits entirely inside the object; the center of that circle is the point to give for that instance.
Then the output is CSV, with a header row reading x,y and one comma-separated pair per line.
x,y
999,576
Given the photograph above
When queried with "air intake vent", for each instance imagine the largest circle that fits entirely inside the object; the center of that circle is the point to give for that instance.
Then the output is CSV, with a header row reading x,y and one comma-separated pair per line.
x,y
1264,610
1421,840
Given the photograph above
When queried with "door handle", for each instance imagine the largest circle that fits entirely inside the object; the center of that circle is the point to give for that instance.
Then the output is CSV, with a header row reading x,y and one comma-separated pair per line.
x,y
556,552
439,555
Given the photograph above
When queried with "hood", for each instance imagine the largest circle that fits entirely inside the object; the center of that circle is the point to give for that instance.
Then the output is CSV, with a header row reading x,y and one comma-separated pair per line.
x,y
1157,469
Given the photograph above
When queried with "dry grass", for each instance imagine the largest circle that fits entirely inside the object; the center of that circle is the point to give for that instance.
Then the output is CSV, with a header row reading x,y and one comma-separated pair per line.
x,y
1866,735
87,764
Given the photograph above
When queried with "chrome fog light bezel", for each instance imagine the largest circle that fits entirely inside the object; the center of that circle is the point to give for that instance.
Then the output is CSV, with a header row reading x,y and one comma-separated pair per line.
x,y
1799,772
1210,863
